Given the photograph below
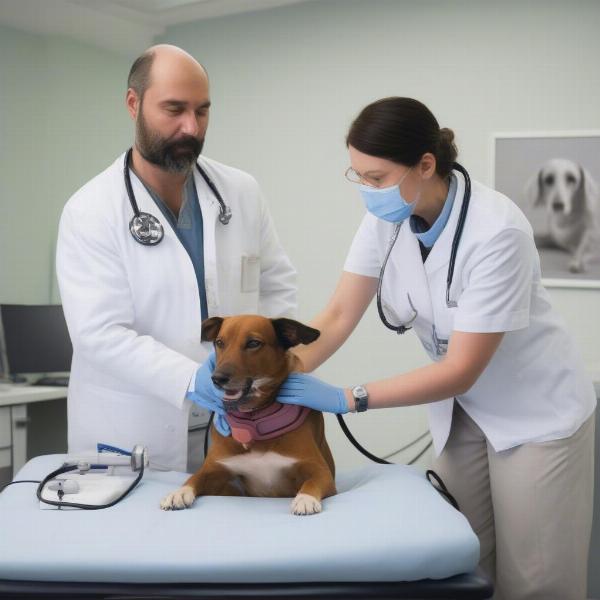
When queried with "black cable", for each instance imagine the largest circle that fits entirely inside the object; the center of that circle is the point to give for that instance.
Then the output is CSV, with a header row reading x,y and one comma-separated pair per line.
x,y
20,481
206,435
67,469
355,443
407,446
442,489
418,456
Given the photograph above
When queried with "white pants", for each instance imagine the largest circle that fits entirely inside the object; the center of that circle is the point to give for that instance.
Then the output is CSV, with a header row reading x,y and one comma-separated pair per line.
x,y
531,507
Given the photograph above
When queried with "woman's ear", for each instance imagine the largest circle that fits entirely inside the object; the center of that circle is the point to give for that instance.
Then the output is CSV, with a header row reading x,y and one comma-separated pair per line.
x,y
427,165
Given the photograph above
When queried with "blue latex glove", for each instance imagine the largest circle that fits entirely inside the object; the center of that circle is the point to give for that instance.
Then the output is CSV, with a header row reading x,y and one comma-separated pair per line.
x,y
207,395
307,390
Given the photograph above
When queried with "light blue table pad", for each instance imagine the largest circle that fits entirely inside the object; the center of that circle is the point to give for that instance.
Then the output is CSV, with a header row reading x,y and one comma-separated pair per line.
x,y
387,523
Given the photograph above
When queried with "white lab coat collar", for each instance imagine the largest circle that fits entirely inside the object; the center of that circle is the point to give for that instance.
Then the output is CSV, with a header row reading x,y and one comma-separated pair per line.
x,y
440,253
408,254
210,207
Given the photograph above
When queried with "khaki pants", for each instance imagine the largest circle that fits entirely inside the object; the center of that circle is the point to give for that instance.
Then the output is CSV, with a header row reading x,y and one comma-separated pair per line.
x,y
531,507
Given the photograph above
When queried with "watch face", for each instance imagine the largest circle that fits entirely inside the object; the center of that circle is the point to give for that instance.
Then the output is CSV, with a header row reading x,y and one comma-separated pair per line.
x,y
360,392
361,398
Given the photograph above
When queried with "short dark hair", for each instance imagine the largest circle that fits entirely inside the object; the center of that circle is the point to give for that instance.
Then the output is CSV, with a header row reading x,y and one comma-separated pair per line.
x,y
402,130
139,74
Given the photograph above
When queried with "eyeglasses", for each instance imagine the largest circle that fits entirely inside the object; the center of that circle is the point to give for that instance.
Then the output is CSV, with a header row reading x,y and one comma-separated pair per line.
x,y
354,177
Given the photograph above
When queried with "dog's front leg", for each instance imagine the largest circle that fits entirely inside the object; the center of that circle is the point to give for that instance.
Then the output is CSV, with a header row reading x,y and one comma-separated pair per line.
x,y
317,483
210,480
577,264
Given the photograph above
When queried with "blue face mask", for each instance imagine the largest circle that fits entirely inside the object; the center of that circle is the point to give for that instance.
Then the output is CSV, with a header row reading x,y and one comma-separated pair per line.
x,y
387,203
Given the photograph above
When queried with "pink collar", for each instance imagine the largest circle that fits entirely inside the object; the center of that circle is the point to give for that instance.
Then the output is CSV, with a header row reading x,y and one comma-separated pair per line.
x,y
267,423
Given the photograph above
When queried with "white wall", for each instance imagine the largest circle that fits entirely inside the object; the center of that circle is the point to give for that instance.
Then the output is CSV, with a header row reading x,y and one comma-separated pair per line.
x,y
287,82
62,120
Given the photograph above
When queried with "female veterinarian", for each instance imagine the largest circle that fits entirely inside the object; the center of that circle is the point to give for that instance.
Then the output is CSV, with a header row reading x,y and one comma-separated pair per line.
x,y
510,408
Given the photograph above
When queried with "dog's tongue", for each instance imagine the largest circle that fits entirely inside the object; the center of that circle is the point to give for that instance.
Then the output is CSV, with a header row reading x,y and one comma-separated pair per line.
x,y
233,395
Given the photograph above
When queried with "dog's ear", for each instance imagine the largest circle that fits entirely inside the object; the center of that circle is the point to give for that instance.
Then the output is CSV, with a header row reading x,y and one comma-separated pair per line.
x,y
533,189
210,329
291,333
589,188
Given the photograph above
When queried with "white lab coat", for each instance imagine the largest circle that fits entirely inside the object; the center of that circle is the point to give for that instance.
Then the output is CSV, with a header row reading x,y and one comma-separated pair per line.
x,y
535,387
133,311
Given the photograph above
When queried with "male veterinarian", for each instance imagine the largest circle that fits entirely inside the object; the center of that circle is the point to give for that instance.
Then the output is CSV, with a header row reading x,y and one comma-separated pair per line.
x,y
149,248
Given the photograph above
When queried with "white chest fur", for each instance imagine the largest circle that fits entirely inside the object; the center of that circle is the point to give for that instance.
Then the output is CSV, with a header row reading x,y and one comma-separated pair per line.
x,y
263,472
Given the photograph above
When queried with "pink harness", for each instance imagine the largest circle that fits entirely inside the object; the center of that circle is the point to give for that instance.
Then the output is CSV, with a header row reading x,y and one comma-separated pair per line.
x,y
267,423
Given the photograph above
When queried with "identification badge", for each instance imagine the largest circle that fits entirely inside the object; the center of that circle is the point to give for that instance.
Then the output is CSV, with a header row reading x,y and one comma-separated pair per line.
x,y
250,273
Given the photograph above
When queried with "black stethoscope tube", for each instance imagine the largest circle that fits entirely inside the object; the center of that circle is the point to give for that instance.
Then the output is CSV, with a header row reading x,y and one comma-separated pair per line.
x,y
152,221
403,328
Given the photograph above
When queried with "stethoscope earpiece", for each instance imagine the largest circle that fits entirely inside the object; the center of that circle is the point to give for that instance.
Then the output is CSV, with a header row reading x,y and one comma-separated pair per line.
x,y
145,228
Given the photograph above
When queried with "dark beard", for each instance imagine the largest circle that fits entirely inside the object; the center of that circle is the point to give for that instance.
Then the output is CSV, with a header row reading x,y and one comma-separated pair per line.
x,y
174,156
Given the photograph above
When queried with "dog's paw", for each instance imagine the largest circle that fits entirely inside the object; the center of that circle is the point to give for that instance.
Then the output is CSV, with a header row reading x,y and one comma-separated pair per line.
x,y
182,498
305,504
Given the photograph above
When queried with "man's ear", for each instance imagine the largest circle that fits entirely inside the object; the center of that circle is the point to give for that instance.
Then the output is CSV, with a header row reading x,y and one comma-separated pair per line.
x,y
291,333
132,102
210,329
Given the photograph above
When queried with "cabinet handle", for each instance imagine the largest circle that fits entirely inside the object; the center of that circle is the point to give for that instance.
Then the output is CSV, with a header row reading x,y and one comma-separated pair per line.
x,y
21,423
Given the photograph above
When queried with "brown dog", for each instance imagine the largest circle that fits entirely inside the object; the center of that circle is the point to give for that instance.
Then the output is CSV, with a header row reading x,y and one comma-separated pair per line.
x,y
293,460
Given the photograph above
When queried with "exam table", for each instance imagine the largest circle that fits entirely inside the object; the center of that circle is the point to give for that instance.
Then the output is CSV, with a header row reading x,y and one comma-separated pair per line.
x,y
386,534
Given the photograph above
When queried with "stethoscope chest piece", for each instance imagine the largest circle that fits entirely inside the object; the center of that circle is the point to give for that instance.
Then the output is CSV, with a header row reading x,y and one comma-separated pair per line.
x,y
225,215
146,229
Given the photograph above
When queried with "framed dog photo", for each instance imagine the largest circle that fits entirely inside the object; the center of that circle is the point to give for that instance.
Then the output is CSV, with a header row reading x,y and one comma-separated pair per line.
x,y
554,178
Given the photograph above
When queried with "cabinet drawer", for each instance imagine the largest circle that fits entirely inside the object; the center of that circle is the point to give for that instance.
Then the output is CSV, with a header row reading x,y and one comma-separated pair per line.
x,y
5,436
5,459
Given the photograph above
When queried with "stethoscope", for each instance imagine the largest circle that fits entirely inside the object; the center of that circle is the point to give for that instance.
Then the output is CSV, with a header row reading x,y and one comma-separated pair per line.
x,y
146,228
404,327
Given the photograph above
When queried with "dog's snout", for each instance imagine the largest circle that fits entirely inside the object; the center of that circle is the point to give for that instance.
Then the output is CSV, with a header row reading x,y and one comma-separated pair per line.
x,y
558,206
220,378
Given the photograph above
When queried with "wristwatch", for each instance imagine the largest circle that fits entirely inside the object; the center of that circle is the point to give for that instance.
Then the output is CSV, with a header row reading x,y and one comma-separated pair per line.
x,y
361,398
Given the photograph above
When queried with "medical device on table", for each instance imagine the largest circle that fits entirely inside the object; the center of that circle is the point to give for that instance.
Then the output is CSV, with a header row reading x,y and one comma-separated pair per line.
x,y
146,228
108,485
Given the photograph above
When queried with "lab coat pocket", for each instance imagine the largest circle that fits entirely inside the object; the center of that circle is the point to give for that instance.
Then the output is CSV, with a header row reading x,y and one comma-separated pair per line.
x,y
250,273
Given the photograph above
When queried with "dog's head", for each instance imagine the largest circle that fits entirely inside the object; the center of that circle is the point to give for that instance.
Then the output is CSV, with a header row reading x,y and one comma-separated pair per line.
x,y
563,187
251,356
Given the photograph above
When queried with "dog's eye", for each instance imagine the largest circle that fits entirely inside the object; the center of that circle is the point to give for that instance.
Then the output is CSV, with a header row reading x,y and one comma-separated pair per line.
x,y
571,179
219,343
253,344
549,180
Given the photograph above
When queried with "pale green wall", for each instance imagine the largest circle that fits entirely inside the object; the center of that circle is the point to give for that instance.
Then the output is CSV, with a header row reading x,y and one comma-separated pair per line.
x,y
287,82
62,120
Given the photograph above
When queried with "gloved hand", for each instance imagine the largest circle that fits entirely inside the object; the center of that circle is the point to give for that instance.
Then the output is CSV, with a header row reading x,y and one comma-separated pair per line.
x,y
307,390
207,395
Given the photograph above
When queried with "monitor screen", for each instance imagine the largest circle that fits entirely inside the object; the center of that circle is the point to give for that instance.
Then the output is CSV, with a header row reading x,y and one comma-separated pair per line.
x,y
36,339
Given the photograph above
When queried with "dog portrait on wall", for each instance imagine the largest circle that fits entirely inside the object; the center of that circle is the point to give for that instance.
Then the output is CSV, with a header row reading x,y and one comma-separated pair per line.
x,y
555,181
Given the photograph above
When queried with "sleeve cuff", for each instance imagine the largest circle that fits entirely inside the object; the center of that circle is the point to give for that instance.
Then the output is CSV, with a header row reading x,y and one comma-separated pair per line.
x,y
192,385
361,270
493,324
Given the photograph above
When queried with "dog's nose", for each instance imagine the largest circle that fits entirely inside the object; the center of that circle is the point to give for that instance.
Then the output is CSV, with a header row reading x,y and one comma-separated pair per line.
x,y
558,206
220,378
